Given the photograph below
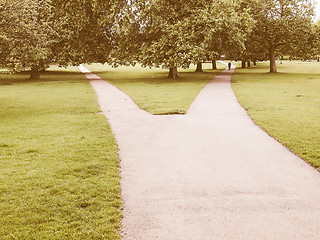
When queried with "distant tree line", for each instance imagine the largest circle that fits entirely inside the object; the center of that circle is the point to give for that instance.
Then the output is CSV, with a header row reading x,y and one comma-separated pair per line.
x,y
159,33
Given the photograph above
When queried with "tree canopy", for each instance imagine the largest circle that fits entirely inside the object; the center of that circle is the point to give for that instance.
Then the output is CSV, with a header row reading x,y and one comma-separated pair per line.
x,y
26,33
160,33
280,24
34,33
175,34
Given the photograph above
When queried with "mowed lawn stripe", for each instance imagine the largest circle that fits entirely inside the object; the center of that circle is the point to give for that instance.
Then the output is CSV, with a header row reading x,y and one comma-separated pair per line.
x,y
59,166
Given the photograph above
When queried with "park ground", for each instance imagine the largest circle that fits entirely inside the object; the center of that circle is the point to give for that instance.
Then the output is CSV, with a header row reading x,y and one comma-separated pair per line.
x,y
59,176
286,105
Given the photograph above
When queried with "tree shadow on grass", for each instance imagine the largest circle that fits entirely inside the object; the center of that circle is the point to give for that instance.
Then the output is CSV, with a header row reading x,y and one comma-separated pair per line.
x,y
274,75
157,77
45,76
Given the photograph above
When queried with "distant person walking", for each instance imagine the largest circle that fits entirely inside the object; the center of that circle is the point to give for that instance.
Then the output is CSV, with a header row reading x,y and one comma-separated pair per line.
x,y
229,65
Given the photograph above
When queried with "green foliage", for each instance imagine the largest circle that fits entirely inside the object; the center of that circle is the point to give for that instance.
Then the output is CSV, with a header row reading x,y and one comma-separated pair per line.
x,y
26,30
316,31
34,33
286,105
160,33
59,175
166,33
153,91
279,26
86,31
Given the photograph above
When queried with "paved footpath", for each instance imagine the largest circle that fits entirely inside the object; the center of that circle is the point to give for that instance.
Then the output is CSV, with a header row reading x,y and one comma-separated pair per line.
x,y
211,174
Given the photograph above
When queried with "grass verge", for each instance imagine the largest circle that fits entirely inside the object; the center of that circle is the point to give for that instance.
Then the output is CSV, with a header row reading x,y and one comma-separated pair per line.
x,y
152,91
59,176
286,104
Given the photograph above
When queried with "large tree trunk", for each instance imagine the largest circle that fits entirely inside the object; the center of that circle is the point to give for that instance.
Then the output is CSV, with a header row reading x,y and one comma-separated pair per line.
x,y
173,72
35,73
199,67
272,58
214,64
243,64
249,63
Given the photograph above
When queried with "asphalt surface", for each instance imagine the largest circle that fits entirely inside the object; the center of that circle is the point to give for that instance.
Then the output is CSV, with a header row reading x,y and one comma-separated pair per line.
x,y
209,174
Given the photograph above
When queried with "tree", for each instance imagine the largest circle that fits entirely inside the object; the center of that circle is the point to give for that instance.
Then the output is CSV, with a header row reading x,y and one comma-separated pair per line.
x,y
234,41
86,30
281,23
217,28
8,26
26,34
176,36
162,36
306,48
67,32
252,51
317,39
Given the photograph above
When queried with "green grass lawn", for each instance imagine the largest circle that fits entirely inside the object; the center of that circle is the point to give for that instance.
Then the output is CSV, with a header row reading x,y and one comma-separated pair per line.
x,y
286,104
59,175
153,91
59,172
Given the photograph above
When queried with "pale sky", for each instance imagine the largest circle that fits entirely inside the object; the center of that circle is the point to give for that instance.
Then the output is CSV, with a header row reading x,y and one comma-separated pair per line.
x,y
318,9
